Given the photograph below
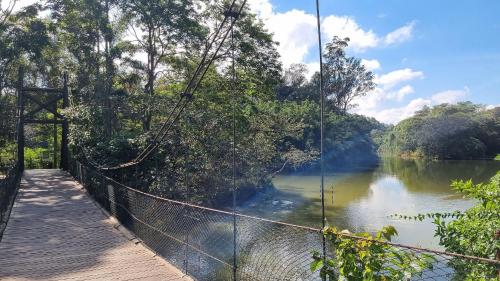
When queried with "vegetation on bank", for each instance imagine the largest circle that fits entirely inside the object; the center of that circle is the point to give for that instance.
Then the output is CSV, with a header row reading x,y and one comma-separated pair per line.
x,y
122,88
447,131
361,256
474,232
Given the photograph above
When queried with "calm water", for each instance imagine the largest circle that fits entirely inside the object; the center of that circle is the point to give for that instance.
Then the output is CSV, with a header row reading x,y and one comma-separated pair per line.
x,y
364,201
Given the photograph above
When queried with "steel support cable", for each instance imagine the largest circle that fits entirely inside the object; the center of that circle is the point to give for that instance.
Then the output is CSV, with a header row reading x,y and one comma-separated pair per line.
x,y
322,129
190,83
186,101
279,223
233,96
186,95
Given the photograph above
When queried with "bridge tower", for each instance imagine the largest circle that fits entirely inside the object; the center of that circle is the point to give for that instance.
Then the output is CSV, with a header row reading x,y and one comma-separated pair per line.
x,y
32,95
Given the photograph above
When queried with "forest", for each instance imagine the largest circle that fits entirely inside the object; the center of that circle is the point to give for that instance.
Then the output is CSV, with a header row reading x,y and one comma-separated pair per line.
x,y
128,62
447,131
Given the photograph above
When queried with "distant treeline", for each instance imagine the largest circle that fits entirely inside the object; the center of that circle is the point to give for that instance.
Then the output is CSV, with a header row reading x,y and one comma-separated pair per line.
x,y
459,131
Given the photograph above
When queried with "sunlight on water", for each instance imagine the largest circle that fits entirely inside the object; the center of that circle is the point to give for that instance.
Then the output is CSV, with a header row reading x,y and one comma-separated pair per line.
x,y
364,201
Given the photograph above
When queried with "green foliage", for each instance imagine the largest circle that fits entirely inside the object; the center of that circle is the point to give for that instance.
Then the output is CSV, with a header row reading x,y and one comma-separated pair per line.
x,y
361,256
7,155
473,232
37,158
497,158
461,131
346,77
7,119
348,137
118,97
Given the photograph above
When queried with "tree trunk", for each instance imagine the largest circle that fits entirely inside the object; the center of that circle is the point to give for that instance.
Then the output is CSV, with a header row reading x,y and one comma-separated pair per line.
x,y
108,116
148,115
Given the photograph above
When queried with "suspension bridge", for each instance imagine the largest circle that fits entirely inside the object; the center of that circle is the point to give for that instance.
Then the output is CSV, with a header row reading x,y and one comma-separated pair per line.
x,y
82,223
56,232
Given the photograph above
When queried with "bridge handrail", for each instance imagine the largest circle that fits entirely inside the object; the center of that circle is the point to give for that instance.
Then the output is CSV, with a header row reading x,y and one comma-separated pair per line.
x,y
200,230
9,185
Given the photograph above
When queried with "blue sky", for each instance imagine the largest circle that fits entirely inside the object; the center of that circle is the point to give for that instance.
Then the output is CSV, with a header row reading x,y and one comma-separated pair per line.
x,y
423,52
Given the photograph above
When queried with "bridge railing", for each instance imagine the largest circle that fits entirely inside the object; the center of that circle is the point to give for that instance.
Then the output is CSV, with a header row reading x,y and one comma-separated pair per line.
x,y
9,184
210,244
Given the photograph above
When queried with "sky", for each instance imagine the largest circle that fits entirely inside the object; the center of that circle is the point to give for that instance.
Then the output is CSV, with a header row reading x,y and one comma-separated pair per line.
x,y
423,52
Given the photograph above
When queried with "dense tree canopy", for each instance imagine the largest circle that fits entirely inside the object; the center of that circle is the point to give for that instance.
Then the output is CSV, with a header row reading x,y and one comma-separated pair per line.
x,y
346,78
129,61
446,131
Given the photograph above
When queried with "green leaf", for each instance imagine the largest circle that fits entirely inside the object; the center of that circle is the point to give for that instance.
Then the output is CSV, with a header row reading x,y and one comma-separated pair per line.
x,y
316,265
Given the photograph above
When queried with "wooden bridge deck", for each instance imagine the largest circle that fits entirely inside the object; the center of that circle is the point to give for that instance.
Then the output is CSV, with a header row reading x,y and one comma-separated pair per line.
x,y
56,232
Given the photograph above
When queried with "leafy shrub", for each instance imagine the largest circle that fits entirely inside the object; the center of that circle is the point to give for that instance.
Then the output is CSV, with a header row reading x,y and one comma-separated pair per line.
x,y
473,232
368,257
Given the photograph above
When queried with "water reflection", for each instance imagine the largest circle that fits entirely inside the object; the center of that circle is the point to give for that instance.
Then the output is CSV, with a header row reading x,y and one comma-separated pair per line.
x,y
363,201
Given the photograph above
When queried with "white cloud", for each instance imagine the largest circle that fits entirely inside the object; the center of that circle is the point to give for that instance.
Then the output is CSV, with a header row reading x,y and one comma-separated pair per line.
x,y
295,30
450,96
361,39
391,79
400,35
371,103
344,26
263,8
371,64
491,106
394,115
312,68
400,94
19,4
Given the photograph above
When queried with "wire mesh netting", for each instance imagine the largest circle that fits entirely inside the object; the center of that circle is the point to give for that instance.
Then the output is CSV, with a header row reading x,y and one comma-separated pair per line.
x,y
9,183
202,241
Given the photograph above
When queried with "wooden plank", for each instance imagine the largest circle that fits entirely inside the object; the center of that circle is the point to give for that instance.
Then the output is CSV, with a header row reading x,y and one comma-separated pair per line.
x,y
57,233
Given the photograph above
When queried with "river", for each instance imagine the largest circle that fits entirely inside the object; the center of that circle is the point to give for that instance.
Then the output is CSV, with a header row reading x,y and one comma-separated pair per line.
x,y
365,200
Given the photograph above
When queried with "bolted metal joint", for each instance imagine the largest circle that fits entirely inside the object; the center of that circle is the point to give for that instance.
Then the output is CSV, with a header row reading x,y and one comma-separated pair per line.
x,y
231,14
189,96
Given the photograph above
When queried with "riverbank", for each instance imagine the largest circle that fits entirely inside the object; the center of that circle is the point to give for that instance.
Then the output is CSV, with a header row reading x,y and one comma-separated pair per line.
x,y
365,200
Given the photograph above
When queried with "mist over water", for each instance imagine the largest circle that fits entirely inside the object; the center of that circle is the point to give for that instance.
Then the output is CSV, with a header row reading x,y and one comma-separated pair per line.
x,y
364,200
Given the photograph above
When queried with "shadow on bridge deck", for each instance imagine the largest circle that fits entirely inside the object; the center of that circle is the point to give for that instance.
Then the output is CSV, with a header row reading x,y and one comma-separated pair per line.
x,y
56,232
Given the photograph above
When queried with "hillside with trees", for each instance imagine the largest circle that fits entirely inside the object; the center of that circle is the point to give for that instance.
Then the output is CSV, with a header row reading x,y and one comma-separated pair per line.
x,y
128,63
447,131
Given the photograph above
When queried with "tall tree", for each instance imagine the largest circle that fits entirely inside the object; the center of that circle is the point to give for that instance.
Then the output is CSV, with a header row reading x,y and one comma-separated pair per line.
x,y
346,78
84,29
162,30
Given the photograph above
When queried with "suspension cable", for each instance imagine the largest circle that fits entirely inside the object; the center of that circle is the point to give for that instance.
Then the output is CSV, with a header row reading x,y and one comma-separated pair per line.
x,y
196,85
322,129
190,89
191,81
233,101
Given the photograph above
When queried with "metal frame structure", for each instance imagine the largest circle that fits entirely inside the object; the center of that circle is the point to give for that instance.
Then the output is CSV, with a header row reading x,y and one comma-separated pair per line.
x,y
31,94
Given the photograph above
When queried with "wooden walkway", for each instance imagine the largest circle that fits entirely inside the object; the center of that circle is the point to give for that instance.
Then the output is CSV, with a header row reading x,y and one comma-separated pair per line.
x,y
56,232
